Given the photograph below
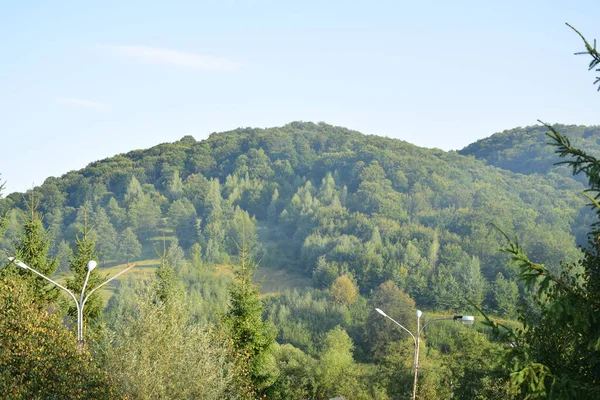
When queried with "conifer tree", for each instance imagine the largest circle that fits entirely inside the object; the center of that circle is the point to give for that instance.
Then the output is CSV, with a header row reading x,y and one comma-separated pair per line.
x,y
32,249
250,335
165,285
556,354
85,250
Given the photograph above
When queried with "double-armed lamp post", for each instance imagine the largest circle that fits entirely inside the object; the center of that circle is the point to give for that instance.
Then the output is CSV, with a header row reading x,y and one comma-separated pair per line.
x,y
465,319
82,300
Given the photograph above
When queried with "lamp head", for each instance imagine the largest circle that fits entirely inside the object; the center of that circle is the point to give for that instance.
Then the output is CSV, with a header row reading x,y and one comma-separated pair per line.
x,y
381,312
465,319
91,265
419,313
18,263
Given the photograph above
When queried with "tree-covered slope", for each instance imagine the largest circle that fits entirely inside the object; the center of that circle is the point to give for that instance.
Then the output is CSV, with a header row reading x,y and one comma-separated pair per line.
x,y
525,150
323,200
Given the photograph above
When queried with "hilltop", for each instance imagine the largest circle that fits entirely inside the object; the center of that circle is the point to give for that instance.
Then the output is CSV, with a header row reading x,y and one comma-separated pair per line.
x,y
324,200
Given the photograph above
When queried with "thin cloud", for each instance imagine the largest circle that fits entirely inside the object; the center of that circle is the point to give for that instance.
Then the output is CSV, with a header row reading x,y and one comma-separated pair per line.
x,y
92,105
178,58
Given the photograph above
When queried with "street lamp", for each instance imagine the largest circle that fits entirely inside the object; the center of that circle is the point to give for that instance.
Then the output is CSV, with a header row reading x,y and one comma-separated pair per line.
x,y
465,319
82,300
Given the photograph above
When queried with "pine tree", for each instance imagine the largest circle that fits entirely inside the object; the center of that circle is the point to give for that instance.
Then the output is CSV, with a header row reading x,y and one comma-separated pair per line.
x,y
165,285
32,249
85,250
251,336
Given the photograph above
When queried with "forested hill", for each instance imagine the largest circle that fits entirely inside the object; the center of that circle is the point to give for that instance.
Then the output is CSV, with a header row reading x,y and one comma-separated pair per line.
x,y
325,201
525,150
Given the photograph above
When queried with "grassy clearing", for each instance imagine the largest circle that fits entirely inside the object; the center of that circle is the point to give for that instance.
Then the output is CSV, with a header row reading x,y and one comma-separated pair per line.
x,y
272,280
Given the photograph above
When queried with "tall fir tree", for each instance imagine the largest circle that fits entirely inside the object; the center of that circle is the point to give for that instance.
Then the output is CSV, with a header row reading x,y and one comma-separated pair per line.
x,y
85,250
32,249
251,336
165,286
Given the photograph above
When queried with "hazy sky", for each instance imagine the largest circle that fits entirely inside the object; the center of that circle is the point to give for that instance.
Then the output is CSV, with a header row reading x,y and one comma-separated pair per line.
x,y
84,80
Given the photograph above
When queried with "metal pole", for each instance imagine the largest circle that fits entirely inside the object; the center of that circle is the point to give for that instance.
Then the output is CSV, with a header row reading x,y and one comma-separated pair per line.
x,y
80,309
416,366
469,320
79,327
79,323
78,304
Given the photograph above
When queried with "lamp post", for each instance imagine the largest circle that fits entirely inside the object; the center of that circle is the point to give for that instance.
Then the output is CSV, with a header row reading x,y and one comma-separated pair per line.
x,y
465,319
82,300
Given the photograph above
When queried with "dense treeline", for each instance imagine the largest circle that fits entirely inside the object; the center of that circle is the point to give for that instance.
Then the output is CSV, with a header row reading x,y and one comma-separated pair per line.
x,y
323,200
524,150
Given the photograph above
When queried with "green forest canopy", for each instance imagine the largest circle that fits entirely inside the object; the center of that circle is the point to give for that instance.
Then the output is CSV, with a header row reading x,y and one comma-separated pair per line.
x,y
328,201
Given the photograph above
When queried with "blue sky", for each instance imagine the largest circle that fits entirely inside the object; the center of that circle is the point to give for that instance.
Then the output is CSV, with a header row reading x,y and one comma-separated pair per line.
x,y
84,80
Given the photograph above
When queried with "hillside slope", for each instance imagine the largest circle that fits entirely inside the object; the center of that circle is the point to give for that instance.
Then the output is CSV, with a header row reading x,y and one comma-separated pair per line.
x,y
324,201
525,150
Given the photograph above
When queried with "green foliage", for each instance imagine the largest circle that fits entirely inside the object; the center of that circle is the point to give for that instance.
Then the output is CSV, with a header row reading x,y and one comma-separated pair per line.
x,y
118,215
64,253
165,285
39,357
183,221
241,228
303,318
343,290
591,51
336,369
505,296
251,337
381,333
106,234
143,211
156,352
175,188
466,363
85,251
556,353
129,246
325,201
296,379
33,249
